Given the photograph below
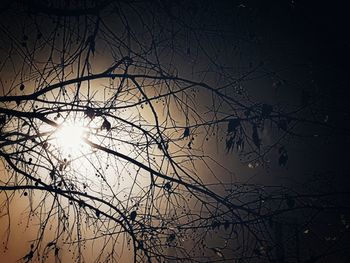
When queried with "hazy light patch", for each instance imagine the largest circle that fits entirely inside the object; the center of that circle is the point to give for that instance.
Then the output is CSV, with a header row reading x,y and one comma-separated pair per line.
x,y
69,137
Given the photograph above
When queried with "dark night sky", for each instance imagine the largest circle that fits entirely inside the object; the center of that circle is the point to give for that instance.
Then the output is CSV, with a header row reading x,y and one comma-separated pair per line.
x,y
313,34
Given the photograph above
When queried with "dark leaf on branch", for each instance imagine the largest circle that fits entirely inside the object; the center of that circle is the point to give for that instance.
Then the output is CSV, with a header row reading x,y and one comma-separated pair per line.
x,y
2,119
186,132
140,244
215,224
133,215
167,186
283,159
81,203
89,112
240,145
106,125
52,174
226,225
230,144
45,145
218,252
189,145
255,137
171,237
128,61
282,124
281,150
232,125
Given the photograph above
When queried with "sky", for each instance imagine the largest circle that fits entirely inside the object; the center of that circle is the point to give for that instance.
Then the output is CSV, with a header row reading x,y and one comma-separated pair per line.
x,y
297,49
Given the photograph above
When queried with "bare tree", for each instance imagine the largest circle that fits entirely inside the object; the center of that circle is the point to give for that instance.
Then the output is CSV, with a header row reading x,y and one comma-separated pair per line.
x,y
112,114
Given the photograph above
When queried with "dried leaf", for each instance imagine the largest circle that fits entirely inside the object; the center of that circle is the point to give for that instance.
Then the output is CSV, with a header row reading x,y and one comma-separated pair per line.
x,y
133,215
255,137
226,225
171,237
186,132
230,144
167,186
140,244
218,252
283,159
89,112
232,125
98,213
240,144
282,124
281,150
106,125
2,119
215,224
128,61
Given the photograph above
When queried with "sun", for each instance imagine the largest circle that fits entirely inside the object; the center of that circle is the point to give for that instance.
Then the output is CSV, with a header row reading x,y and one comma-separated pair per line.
x,y
69,136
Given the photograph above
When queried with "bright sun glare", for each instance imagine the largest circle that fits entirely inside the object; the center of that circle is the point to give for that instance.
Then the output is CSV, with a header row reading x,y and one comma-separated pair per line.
x,y
70,136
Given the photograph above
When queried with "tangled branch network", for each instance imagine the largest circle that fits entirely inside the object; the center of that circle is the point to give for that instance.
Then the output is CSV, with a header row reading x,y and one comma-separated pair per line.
x,y
111,117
